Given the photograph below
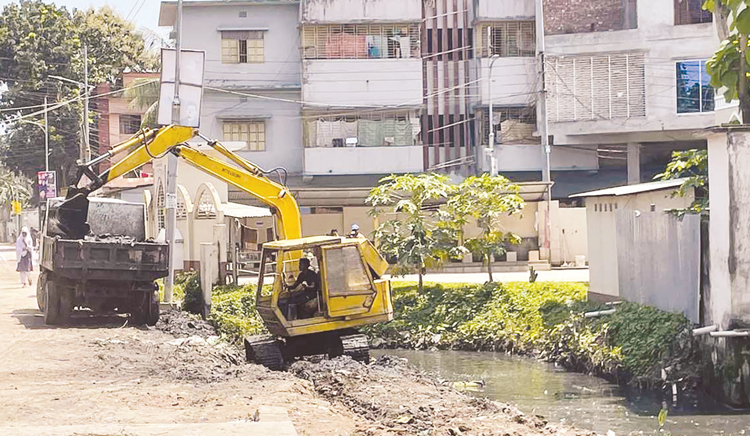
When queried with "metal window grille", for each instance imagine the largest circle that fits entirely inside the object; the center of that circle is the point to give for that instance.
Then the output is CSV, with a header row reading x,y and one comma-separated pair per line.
x,y
129,124
181,211
694,92
596,87
512,124
161,212
361,41
241,47
690,12
206,207
507,39
395,128
253,133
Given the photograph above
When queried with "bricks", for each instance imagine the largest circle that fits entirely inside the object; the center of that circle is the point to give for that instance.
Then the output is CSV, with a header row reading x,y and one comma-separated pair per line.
x,y
585,16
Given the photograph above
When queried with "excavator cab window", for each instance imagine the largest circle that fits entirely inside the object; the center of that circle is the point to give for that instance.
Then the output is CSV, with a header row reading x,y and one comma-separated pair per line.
x,y
301,297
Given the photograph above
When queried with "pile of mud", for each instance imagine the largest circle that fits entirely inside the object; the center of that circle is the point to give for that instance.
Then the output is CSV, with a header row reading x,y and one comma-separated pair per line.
x,y
182,325
116,239
393,397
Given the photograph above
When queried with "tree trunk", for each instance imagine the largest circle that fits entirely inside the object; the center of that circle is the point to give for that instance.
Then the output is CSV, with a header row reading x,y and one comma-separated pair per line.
x,y
421,282
743,97
488,258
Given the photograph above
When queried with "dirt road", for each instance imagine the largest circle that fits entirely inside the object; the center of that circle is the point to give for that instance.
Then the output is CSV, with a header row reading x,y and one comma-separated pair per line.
x,y
103,371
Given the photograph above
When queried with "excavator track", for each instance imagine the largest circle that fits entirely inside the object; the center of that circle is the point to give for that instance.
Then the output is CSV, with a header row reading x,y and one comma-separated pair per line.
x,y
356,347
265,350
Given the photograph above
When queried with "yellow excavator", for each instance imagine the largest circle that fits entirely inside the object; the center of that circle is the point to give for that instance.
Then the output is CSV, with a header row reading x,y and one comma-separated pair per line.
x,y
313,293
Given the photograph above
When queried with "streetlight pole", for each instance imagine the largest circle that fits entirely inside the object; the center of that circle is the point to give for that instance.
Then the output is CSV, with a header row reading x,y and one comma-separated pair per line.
x,y
171,194
46,137
85,151
543,126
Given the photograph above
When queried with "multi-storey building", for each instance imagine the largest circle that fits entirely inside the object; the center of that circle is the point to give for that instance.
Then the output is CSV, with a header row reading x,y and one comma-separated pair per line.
x,y
342,92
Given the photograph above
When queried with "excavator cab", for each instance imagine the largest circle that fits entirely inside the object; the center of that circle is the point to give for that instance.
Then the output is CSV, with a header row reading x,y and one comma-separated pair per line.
x,y
351,293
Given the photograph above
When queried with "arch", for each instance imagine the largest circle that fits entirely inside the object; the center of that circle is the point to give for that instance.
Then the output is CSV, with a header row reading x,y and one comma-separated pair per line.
x,y
184,203
207,202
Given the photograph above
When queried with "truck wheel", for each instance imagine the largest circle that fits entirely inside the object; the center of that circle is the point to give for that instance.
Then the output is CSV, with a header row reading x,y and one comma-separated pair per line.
x,y
51,303
40,291
152,316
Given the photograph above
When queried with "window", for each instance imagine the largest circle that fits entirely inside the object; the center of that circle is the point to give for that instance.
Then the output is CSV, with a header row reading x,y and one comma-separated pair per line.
x,y
161,211
512,125
251,132
361,41
508,39
129,124
375,129
605,86
694,94
242,47
690,12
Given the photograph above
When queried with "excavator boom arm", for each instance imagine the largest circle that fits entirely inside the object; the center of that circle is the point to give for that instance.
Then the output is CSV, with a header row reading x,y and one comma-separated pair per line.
x,y
151,144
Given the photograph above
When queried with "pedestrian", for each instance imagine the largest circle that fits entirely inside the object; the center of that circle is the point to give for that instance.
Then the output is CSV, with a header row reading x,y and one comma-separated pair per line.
x,y
354,233
24,253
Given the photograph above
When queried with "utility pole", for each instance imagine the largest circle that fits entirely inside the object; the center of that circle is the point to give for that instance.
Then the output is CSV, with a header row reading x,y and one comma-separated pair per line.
x,y
46,137
542,124
85,153
490,150
171,194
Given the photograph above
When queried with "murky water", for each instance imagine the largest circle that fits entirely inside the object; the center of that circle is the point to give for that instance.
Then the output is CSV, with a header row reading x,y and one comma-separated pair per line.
x,y
587,402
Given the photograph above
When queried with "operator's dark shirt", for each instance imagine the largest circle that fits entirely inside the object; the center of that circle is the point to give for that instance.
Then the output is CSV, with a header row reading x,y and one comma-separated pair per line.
x,y
311,277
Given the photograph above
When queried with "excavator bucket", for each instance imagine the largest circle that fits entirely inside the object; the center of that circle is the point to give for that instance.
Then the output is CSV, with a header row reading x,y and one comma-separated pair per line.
x,y
69,220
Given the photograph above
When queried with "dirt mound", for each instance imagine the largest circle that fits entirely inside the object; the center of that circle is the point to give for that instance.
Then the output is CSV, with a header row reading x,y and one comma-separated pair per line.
x,y
182,325
393,397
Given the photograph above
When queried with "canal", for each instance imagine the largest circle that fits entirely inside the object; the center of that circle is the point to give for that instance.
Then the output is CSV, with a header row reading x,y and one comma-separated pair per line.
x,y
587,402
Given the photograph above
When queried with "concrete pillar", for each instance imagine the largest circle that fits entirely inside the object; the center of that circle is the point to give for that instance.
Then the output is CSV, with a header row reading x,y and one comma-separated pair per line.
x,y
634,163
221,236
209,273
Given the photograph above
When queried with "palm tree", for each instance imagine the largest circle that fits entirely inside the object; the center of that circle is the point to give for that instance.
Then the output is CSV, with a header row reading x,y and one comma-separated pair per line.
x,y
144,93
13,186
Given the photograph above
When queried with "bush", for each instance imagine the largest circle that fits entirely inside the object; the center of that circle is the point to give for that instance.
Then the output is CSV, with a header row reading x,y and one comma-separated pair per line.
x,y
233,312
543,319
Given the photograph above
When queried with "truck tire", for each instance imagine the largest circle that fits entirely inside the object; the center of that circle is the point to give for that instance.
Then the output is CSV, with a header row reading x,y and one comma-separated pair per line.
x,y
51,311
40,291
152,316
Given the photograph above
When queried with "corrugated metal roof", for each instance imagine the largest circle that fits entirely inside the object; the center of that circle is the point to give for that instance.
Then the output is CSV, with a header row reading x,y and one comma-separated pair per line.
x,y
632,189
236,210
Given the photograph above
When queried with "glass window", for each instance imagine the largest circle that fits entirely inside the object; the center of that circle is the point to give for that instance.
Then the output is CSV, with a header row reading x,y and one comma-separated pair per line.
x,y
253,133
694,93
345,273
690,12
242,47
129,124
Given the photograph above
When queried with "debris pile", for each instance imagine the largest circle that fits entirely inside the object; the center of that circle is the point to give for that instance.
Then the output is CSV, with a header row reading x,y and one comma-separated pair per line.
x,y
393,397
182,325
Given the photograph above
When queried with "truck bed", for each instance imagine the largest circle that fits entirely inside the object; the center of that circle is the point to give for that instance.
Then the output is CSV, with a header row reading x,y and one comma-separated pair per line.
x,y
105,259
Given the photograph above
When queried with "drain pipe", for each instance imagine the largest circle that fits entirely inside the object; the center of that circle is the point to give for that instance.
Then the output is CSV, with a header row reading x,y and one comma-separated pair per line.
x,y
705,330
731,334
599,313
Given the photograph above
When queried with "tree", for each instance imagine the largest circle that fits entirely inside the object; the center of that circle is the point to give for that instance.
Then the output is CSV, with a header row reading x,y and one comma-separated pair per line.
x,y
13,187
693,166
730,65
144,94
486,199
39,40
415,240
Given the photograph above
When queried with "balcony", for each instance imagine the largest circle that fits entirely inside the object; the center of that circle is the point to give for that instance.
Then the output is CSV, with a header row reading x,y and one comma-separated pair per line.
x,y
528,157
497,10
513,81
368,82
363,160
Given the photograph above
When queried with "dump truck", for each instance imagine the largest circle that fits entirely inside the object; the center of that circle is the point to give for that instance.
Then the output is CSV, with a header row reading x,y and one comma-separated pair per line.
x,y
110,269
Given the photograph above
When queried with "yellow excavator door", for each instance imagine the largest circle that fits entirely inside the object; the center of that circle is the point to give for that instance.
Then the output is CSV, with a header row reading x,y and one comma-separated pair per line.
x,y
348,288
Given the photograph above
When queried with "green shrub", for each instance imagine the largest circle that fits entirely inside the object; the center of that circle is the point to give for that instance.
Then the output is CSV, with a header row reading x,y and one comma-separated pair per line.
x,y
544,319
192,300
233,312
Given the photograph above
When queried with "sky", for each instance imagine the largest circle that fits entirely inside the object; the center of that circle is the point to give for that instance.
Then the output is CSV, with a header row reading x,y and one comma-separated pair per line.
x,y
144,13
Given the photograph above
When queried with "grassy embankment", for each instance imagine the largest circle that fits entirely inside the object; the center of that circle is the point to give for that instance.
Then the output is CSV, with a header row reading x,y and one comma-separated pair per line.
x,y
538,319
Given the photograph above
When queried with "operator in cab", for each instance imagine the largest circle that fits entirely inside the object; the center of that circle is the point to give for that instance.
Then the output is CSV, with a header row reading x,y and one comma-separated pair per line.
x,y
354,233
303,290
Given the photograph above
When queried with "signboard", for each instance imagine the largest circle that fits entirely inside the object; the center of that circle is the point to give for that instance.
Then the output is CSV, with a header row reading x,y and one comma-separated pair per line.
x,y
192,65
47,182
16,206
